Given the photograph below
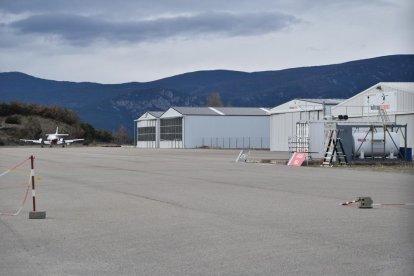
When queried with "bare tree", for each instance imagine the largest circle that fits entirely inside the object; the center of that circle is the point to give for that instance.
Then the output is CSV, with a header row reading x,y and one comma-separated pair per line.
x,y
123,136
214,100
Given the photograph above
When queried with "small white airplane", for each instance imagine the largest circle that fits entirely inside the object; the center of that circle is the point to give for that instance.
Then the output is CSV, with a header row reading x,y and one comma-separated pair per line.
x,y
53,139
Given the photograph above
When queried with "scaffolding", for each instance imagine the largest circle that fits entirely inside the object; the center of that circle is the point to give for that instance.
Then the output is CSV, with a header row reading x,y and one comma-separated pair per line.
x,y
386,129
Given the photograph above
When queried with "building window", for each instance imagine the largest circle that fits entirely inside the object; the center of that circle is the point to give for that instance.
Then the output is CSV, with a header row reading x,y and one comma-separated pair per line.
x,y
146,134
171,129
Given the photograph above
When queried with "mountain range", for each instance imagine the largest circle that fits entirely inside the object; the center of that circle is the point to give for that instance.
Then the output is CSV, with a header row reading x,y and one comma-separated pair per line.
x,y
108,106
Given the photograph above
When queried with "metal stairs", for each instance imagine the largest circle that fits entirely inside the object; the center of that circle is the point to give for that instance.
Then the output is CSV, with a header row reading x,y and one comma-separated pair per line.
x,y
382,114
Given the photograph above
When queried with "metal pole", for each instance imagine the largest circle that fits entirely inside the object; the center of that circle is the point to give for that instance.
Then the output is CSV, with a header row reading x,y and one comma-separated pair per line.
x,y
372,141
33,182
405,143
135,133
385,134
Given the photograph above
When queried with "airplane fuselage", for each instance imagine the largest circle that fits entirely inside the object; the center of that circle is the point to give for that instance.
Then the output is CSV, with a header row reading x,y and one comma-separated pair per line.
x,y
53,139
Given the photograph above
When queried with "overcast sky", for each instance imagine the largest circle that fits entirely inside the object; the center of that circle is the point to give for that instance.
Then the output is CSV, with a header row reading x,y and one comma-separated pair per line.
x,y
110,41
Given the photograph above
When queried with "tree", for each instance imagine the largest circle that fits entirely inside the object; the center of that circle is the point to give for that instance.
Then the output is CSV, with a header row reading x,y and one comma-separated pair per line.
x,y
33,128
123,136
214,100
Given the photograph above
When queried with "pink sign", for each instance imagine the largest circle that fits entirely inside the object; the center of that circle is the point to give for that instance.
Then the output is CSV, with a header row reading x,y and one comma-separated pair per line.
x,y
297,159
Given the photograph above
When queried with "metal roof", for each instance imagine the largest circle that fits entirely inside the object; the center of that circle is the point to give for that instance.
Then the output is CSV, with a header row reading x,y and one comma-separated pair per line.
x,y
222,111
194,110
156,114
298,105
399,86
246,111
323,101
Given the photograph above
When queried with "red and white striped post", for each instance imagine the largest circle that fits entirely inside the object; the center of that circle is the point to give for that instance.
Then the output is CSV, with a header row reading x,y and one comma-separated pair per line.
x,y
32,174
34,214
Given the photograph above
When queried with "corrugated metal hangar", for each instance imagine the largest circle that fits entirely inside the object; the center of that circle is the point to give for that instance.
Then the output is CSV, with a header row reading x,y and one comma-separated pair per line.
x,y
219,127
386,101
283,118
376,123
148,130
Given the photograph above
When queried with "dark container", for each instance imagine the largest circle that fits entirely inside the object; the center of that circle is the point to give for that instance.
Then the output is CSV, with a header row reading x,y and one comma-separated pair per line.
x,y
409,156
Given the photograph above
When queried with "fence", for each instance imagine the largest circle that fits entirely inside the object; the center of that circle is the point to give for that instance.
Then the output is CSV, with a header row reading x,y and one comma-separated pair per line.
x,y
234,142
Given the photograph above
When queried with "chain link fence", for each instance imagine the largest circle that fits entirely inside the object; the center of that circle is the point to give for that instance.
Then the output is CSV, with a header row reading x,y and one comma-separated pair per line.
x,y
234,142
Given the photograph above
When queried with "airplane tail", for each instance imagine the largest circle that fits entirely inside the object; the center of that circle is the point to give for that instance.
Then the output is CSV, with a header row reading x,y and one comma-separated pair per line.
x,y
57,133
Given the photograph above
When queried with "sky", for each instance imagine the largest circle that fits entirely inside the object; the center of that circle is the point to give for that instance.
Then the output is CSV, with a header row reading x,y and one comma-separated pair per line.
x,y
110,41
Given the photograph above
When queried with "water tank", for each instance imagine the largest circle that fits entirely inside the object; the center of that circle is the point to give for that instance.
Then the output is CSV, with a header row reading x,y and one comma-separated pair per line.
x,y
364,143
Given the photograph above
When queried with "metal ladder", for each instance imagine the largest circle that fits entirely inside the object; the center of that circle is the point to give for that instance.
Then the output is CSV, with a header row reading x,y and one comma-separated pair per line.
x,y
334,146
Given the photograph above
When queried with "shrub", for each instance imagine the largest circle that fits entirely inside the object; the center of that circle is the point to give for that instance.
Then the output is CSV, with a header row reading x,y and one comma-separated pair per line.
x,y
13,120
33,128
53,112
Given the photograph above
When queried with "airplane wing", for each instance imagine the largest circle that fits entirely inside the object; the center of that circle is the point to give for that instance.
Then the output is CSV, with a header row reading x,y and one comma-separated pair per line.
x,y
40,141
32,141
73,140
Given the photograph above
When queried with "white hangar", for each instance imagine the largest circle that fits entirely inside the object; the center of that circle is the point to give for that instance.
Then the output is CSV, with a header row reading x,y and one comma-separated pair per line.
x,y
284,118
386,101
219,127
148,130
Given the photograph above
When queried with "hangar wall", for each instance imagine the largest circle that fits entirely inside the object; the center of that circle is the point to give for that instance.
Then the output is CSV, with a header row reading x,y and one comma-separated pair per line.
x,y
226,131
147,130
282,126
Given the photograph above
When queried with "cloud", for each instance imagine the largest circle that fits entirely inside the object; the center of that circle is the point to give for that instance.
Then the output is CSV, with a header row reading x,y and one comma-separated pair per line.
x,y
83,30
161,6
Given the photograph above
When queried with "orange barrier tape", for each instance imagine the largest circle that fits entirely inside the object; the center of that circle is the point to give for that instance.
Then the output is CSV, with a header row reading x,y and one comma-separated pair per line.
x,y
21,205
14,167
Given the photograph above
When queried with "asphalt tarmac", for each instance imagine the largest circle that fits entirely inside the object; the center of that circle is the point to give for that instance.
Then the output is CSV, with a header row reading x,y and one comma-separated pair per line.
x,y
127,211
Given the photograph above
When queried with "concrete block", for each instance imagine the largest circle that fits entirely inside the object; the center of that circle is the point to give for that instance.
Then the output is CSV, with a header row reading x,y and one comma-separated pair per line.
x,y
37,215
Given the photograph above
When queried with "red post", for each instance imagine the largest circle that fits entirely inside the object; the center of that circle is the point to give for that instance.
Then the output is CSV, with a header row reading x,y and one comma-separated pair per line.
x,y
35,214
33,183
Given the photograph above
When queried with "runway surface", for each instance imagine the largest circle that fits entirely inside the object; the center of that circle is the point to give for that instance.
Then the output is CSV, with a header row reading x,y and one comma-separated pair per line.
x,y
127,211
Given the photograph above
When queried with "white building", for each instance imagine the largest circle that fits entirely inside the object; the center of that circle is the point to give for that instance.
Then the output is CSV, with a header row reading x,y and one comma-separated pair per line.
x,y
283,118
220,127
395,98
148,129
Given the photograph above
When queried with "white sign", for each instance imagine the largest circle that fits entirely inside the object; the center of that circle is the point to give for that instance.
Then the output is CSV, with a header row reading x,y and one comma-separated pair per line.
x,y
330,126
243,155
